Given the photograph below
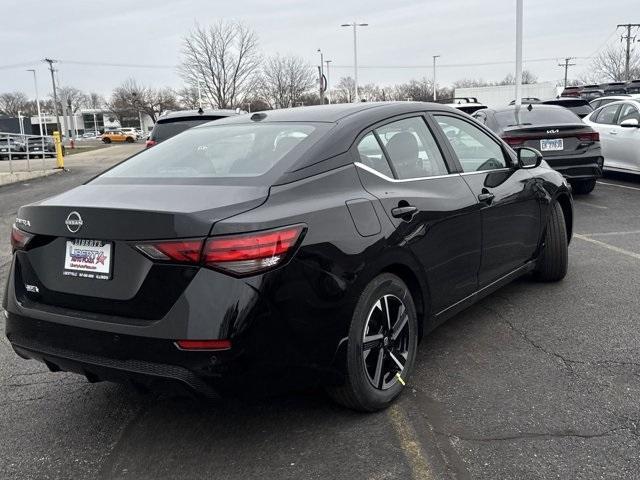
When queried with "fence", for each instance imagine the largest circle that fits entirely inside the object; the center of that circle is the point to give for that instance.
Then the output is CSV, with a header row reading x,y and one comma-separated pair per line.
x,y
21,151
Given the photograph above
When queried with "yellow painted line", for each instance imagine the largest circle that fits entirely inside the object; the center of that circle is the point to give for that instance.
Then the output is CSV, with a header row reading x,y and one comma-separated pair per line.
x,y
616,185
420,468
613,248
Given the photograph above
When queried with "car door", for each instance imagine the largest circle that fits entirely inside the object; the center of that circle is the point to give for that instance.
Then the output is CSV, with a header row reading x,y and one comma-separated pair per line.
x,y
627,139
604,122
508,198
433,212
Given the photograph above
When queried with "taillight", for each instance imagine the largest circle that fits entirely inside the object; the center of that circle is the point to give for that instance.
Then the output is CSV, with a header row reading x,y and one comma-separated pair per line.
x,y
515,141
589,137
251,252
183,251
203,344
19,238
241,254
150,143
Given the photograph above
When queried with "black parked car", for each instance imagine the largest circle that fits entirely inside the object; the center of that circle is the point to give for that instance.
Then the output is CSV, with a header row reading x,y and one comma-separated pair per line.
x,y
38,145
579,106
174,123
313,245
10,147
567,144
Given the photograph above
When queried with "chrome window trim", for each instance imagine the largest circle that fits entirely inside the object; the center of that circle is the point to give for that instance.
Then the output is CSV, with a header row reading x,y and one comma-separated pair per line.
x,y
503,169
400,180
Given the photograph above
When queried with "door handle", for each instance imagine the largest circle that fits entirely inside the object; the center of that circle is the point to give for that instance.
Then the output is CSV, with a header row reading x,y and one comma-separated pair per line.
x,y
486,197
403,212
613,132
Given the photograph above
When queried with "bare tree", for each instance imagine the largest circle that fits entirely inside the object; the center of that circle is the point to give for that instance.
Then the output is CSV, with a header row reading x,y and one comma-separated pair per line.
x,y
129,99
285,80
527,77
72,96
188,97
609,65
13,102
95,101
224,58
344,91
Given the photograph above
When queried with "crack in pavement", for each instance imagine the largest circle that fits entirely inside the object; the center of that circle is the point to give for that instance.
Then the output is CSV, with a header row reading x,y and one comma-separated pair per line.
x,y
540,435
567,361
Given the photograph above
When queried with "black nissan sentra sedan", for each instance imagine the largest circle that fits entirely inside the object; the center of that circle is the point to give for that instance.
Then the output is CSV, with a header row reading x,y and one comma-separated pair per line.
x,y
289,248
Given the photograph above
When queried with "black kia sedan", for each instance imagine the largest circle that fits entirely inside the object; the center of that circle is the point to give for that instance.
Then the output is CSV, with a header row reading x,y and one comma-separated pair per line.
x,y
288,248
567,144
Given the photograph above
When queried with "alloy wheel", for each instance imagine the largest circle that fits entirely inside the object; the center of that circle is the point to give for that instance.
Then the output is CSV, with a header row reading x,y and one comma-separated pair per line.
x,y
386,341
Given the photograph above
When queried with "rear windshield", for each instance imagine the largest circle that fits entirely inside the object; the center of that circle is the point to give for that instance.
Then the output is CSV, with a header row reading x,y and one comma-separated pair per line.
x,y
222,151
536,116
164,130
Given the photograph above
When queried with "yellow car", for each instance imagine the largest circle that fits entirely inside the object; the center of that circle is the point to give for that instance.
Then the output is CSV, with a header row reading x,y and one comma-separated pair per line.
x,y
117,136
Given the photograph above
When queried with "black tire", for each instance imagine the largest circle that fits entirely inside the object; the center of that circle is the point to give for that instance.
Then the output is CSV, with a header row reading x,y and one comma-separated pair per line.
x,y
106,140
583,187
129,140
553,262
358,391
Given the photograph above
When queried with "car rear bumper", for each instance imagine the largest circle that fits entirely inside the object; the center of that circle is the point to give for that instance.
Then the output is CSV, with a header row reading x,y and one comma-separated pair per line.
x,y
273,347
581,168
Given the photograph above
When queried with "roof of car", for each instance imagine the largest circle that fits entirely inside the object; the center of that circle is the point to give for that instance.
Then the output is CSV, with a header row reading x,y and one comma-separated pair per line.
x,y
537,106
198,113
335,112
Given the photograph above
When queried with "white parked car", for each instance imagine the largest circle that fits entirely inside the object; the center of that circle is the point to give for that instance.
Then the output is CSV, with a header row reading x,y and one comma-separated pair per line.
x,y
618,124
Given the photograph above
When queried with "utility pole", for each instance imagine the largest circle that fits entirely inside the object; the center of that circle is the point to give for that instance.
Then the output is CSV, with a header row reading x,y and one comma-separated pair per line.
x,y
51,61
566,66
629,39
435,95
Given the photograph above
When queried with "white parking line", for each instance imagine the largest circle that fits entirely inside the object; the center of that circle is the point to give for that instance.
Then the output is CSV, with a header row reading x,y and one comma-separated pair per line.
x,y
600,207
632,232
616,185
609,247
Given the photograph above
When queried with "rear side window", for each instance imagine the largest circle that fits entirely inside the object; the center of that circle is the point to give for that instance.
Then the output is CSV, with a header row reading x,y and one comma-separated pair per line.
x,y
412,150
628,112
239,150
164,130
372,155
607,115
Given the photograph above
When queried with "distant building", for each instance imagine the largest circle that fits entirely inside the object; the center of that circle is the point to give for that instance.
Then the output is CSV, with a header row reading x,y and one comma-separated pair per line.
x,y
87,120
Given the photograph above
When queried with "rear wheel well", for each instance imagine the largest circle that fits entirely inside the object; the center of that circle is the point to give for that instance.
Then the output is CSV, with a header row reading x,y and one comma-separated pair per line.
x,y
411,280
565,203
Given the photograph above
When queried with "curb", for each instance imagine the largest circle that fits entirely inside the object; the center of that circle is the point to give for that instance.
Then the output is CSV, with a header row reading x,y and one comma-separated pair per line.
x,y
16,177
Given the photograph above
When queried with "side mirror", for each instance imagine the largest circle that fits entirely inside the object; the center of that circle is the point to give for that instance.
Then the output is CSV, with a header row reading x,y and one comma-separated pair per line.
x,y
630,123
528,157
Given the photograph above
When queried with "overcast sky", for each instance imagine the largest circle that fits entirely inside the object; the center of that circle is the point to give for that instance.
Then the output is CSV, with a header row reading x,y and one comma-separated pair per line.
x,y
400,33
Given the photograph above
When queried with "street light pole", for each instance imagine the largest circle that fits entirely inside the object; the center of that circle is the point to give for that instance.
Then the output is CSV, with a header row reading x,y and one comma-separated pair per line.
x,y
328,80
321,76
355,26
435,88
519,9
35,84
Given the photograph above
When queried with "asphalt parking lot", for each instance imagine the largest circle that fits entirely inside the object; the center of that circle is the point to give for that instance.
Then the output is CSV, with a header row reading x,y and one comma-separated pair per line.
x,y
536,381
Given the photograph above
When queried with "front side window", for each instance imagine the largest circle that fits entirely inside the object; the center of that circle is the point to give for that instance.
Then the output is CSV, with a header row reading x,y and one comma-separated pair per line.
x,y
476,150
239,150
412,150
607,115
627,112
